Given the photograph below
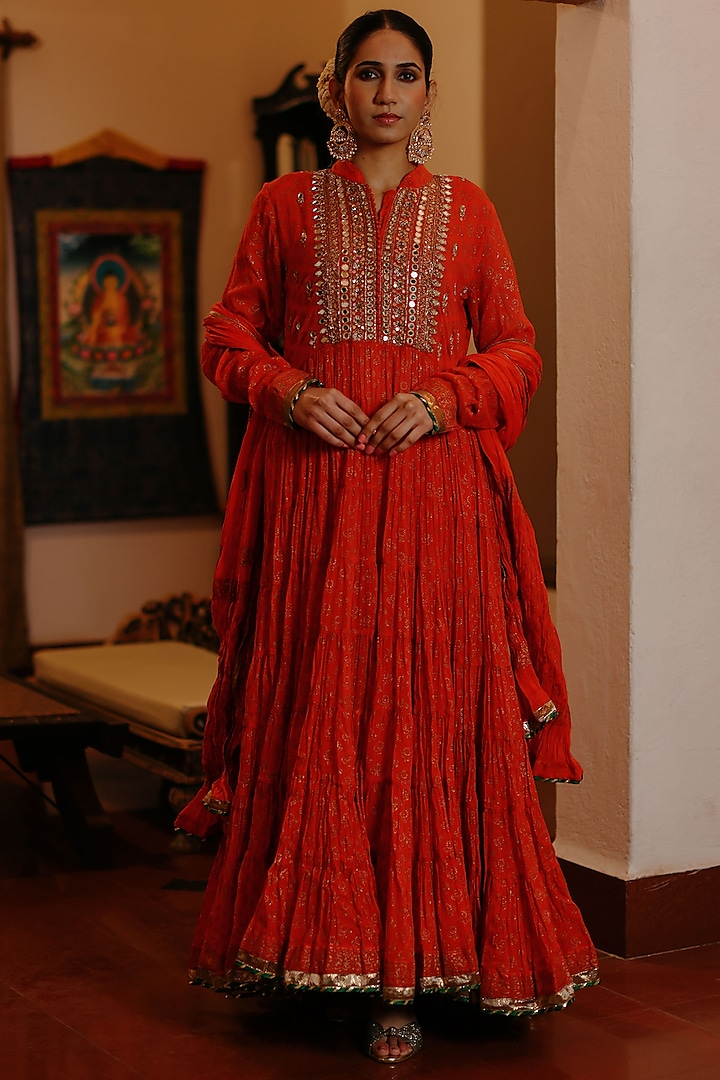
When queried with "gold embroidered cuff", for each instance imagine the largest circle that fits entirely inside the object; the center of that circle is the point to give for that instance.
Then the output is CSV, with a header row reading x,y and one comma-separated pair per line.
x,y
279,394
439,399
430,407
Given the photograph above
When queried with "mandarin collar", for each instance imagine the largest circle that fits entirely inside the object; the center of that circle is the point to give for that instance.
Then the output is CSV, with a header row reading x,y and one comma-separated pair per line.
x,y
419,176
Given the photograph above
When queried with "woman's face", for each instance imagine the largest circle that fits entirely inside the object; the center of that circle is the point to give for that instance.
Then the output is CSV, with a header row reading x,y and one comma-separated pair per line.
x,y
385,91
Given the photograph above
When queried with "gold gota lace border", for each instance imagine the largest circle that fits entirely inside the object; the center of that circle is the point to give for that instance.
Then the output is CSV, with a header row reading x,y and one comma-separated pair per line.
x,y
392,295
558,780
254,976
304,980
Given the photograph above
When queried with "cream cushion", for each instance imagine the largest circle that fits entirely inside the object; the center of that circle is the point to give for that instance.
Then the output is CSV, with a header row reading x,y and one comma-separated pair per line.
x,y
162,684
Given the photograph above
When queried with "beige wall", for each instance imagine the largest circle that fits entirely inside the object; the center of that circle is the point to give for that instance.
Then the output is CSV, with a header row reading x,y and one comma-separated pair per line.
x,y
519,175
639,455
593,297
674,552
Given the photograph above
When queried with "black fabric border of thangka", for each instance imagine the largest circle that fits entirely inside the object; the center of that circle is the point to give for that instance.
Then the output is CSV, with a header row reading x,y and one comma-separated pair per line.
x,y
101,469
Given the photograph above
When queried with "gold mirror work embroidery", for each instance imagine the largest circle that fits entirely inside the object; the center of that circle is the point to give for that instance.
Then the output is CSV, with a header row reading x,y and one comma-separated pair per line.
x,y
385,288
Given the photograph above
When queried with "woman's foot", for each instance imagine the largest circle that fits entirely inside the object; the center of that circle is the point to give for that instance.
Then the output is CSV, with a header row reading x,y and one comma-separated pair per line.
x,y
394,1034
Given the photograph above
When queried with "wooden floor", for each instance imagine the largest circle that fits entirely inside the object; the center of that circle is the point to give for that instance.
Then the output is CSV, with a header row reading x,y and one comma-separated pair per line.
x,y
92,986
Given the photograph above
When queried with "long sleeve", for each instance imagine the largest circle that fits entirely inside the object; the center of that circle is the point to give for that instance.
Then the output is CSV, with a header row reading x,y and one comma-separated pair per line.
x,y
491,388
237,355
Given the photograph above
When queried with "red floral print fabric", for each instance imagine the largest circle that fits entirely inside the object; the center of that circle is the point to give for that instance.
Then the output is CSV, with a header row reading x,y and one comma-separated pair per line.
x,y
386,647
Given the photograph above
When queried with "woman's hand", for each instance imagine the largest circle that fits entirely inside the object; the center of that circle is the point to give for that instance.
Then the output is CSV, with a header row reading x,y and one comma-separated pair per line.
x,y
330,415
396,425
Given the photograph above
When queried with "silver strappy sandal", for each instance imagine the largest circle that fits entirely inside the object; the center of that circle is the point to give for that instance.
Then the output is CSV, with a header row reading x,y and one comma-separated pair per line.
x,y
410,1033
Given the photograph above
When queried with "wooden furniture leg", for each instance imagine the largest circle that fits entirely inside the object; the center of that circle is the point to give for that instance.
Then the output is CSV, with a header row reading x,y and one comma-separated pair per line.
x,y
62,763
50,738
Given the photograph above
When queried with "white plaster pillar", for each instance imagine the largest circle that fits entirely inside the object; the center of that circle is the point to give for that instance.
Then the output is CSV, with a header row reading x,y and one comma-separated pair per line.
x,y
638,282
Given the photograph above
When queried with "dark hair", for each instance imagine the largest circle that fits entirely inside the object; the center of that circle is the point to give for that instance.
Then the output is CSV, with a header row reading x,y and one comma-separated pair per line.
x,y
361,28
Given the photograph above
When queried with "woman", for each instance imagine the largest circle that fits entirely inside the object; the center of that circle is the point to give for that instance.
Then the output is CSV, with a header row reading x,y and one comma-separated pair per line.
x,y
385,641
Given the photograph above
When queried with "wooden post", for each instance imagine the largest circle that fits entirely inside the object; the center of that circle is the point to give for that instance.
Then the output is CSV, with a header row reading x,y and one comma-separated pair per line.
x,y
13,619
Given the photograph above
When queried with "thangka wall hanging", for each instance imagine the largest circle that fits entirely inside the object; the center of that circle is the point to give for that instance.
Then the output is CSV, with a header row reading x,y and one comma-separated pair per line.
x,y
110,416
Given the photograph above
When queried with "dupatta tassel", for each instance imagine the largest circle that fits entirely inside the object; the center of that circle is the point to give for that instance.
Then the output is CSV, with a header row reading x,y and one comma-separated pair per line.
x,y
547,731
200,818
550,755
219,797
533,640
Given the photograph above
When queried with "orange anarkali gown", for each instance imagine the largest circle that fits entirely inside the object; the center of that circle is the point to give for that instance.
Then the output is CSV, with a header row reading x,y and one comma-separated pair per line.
x,y
389,679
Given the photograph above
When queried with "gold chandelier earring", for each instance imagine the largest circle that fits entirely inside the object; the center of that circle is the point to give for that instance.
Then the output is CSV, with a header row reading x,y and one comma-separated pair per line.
x,y
420,143
342,143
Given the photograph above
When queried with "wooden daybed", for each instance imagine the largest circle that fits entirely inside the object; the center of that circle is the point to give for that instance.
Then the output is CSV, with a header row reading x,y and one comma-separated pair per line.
x,y
155,674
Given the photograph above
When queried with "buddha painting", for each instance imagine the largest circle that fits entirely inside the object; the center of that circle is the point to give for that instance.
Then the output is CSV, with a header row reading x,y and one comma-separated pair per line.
x,y
114,333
